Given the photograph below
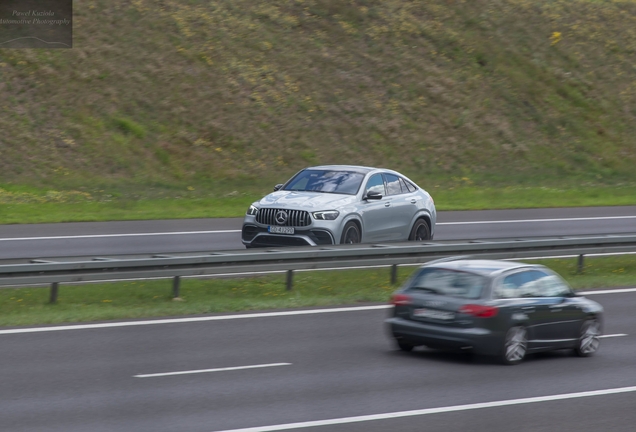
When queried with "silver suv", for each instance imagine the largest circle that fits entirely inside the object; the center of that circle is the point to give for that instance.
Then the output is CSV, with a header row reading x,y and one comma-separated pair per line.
x,y
335,204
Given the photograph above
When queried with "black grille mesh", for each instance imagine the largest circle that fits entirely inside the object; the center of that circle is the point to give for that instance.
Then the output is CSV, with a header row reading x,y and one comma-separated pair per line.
x,y
295,218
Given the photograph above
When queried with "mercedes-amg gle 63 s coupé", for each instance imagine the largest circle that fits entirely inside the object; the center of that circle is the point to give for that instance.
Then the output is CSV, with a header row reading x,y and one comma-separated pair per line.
x,y
335,204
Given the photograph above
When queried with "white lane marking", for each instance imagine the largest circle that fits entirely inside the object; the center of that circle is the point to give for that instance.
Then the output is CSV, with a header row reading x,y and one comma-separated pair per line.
x,y
237,231
427,411
229,317
192,319
210,370
536,220
569,256
89,236
609,291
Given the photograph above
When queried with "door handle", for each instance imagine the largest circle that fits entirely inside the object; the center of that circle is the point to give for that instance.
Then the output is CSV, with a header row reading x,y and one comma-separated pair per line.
x,y
528,309
387,204
556,308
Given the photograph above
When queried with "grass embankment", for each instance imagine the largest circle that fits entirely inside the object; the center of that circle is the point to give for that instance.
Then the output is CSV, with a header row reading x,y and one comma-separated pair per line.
x,y
201,99
144,299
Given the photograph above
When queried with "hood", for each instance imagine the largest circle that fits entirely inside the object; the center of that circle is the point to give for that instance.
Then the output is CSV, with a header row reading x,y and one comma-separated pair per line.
x,y
310,201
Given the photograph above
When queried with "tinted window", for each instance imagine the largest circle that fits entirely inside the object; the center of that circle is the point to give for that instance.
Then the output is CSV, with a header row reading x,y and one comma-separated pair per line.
x,y
448,282
530,283
376,184
404,186
341,182
410,186
553,286
392,184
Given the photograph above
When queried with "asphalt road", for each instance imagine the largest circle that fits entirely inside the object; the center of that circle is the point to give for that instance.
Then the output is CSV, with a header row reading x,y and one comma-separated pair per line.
x,y
327,366
201,235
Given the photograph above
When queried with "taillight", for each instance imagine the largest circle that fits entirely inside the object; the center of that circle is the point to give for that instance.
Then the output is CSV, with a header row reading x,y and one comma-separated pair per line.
x,y
400,300
479,311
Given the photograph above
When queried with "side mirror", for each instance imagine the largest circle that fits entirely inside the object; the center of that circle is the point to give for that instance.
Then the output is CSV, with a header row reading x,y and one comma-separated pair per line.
x,y
278,186
371,195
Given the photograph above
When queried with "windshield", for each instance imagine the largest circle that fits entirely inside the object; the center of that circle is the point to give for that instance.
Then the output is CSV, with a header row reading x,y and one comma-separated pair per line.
x,y
448,282
325,181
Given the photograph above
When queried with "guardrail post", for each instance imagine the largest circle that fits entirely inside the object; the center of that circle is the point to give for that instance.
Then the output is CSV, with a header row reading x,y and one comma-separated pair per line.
x,y
393,274
290,280
176,285
53,297
579,265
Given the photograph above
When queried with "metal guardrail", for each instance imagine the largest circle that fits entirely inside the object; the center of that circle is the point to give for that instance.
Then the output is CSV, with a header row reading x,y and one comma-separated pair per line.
x,y
65,270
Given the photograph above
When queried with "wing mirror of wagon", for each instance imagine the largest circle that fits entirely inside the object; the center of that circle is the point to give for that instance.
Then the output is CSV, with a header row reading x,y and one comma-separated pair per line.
x,y
371,195
278,186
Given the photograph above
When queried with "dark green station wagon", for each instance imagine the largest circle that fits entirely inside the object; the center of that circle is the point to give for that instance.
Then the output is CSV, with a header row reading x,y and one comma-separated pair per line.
x,y
497,308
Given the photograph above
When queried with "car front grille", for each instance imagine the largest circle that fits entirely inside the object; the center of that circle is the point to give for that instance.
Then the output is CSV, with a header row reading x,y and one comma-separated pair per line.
x,y
295,218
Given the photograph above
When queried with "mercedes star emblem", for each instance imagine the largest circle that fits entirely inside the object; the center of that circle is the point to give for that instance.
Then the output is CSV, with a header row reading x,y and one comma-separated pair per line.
x,y
281,217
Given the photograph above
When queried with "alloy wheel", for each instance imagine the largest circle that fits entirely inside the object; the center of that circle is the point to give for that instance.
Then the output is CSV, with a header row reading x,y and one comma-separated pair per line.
x,y
589,340
352,235
515,346
420,231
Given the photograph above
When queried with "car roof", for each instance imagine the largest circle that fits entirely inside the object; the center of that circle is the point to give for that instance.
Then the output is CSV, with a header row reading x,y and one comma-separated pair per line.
x,y
480,266
354,168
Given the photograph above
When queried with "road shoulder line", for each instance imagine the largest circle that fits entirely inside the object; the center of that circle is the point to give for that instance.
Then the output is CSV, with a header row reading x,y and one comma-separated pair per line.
x,y
427,411
238,316
192,319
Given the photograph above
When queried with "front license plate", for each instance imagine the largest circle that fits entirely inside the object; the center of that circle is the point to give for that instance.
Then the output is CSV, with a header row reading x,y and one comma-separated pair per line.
x,y
435,314
280,230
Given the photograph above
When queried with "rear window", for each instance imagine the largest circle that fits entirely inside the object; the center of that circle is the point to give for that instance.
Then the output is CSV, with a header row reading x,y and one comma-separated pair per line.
x,y
448,283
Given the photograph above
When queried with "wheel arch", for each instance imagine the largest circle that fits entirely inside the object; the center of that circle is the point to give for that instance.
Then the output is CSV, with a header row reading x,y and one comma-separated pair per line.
x,y
351,218
424,215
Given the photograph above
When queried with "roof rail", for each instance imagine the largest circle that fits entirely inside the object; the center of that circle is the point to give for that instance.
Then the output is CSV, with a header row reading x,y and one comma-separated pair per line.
x,y
451,258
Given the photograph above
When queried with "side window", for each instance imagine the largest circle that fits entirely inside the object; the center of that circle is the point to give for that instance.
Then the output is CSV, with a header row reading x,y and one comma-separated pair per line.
x,y
376,184
523,284
411,187
553,286
407,186
392,184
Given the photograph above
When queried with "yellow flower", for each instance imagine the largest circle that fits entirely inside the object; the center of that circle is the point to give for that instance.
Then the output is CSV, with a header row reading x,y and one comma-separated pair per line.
x,y
555,38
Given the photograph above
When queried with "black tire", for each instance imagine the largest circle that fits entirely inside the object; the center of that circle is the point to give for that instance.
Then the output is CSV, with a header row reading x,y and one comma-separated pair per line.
x,y
406,347
351,234
420,231
515,346
589,341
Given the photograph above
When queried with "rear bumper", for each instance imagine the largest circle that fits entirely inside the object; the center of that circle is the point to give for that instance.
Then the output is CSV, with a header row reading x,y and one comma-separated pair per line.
x,y
478,340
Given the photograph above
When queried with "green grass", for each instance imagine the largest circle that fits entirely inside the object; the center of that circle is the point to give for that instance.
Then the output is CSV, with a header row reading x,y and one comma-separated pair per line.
x,y
54,206
144,299
125,209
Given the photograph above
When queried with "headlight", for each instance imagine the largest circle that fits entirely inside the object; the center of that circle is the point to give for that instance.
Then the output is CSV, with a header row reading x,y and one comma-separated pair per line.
x,y
252,210
326,215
